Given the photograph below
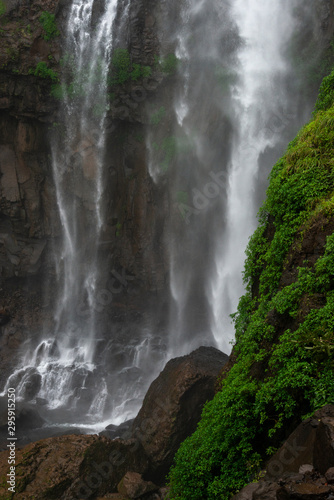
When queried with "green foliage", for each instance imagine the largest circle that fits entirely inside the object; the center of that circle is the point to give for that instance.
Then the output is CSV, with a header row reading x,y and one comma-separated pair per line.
x,y
168,64
3,8
124,70
121,62
326,93
48,22
282,372
182,197
158,116
43,71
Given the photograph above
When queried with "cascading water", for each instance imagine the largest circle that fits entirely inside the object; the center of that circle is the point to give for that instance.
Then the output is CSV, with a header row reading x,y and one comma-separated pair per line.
x,y
234,113
64,371
64,362
259,98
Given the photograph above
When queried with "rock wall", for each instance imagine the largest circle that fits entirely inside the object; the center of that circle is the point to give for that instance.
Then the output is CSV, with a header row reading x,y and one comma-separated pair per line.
x,y
136,209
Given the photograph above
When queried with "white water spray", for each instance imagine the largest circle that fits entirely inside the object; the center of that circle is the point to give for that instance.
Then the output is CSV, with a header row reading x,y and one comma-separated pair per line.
x,y
256,101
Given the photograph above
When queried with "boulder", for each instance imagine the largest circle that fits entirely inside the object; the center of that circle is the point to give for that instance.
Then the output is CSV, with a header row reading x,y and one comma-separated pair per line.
x,y
134,486
122,431
311,443
303,468
330,475
173,405
82,467
90,466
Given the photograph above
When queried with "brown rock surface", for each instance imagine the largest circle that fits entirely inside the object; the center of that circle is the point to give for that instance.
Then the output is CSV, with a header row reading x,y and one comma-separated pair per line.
x,y
311,443
298,470
133,485
173,404
69,467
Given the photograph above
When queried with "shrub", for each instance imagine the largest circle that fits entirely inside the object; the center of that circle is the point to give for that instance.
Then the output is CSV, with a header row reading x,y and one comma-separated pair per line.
x,y
326,93
158,116
121,63
43,71
167,64
48,22
124,70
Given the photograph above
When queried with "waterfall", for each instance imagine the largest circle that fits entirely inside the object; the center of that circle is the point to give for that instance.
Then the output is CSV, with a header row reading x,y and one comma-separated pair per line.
x,y
258,99
220,112
233,111
62,365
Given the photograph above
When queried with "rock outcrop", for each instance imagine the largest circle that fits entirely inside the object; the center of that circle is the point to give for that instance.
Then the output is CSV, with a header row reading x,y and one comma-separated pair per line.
x,y
303,467
87,466
173,406
132,248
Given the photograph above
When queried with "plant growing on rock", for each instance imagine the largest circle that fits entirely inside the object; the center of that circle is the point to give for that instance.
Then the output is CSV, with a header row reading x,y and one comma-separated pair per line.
x,y
3,8
48,22
124,70
43,71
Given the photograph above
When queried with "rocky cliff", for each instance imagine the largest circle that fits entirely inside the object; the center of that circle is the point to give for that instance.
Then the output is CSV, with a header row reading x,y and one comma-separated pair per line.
x,y
32,62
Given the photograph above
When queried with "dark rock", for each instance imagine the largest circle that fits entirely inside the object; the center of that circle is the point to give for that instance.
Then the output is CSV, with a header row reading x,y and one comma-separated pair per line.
x,y
306,468
173,404
246,493
296,470
41,401
82,466
122,431
323,458
164,492
266,491
311,443
133,485
330,475
304,491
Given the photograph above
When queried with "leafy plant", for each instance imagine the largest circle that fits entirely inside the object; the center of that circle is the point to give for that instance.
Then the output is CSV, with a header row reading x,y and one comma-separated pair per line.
x,y
48,22
326,93
3,8
158,116
43,71
168,64
124,70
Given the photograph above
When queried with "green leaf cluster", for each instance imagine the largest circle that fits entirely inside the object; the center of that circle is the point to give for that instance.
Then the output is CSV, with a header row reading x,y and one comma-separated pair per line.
x,y
123,70
48,22
284,327
168,64
43,71
3,8
326,93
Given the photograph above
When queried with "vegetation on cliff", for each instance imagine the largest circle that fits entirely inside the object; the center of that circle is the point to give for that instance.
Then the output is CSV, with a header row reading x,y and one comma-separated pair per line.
x,y
284,325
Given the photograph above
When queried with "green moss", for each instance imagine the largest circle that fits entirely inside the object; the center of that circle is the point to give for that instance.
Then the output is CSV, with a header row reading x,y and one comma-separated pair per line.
x,y
283,372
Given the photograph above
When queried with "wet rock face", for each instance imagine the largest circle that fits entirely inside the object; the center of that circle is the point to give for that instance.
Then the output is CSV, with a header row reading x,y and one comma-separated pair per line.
x,y
132,485
133,233
303,468
88,466
30,117
173,405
